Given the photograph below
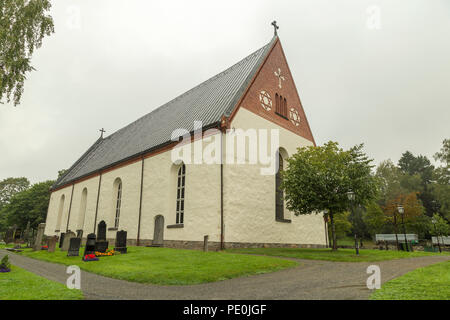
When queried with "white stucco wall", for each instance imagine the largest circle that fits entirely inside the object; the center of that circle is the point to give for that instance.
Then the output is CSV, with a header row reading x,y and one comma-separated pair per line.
x,y
202,203
249,197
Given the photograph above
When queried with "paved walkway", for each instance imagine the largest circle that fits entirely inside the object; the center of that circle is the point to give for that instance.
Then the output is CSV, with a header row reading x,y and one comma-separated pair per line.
x,y
310,280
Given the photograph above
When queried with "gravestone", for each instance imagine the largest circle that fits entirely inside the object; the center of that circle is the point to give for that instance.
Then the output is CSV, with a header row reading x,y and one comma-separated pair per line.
x,y
40,233
80,234
74,247
90,244
66,243
101,231
51,243
61,239
101,245
205,243
121,242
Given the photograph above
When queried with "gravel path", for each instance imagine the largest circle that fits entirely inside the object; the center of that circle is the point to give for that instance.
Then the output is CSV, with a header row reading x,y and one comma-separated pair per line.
x,y
310,280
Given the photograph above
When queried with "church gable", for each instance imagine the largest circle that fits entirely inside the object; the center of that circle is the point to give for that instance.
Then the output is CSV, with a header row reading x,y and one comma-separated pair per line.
x,y
273,95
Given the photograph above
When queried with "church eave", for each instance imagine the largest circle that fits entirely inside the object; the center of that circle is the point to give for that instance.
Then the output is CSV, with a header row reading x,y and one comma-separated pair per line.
x,y
126,161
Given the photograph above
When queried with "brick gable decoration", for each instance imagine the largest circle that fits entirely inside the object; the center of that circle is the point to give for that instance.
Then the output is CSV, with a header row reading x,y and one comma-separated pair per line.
x,y
274,96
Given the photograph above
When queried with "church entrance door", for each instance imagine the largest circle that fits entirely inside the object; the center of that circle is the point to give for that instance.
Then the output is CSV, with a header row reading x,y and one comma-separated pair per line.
x,y
158,235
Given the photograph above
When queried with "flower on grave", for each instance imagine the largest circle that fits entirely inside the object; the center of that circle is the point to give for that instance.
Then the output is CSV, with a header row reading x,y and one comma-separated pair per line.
x,y
90,257
104,254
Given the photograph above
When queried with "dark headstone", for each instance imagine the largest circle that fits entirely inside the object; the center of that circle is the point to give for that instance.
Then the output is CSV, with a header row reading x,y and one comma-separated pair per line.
x,y
101,231
205,243
74,247
61,239
66,243
121,242
101,246
90,244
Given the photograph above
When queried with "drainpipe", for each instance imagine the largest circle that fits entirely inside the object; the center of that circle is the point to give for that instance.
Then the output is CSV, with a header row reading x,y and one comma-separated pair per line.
x,y
70,208
98,197
222,245
223,128
140,204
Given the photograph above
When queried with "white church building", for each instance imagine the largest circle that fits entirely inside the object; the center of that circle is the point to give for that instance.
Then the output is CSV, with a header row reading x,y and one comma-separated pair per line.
x,y
132,180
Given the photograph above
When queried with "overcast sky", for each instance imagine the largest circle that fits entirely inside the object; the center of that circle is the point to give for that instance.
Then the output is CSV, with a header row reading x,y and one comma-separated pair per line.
x,y
384,82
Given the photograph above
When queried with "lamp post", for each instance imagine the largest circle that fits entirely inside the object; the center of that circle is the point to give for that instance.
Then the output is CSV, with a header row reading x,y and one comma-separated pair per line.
x,y
351,198
437,234
401,210
395,229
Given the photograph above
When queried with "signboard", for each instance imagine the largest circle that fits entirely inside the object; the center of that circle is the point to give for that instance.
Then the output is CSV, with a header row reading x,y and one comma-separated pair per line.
x,y
401,237
442,240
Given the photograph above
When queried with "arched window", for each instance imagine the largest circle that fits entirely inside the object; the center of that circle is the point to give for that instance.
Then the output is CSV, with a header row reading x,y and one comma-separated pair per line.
x,y
60,212
181,182
281,106
82,212
118,202
279,202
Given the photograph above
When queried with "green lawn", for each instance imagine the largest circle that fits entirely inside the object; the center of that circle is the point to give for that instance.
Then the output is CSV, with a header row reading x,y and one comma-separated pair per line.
x,y
428,283
344,255
20,284
166,266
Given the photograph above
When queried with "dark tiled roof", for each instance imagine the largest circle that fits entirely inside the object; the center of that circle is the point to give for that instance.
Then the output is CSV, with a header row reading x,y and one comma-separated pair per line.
x,y
207,102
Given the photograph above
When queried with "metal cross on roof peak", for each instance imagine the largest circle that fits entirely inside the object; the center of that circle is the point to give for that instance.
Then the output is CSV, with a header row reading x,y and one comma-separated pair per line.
x,y
274,24
102,130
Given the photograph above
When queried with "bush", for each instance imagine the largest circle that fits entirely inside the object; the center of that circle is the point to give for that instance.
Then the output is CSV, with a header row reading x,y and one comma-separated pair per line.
x,y
4,264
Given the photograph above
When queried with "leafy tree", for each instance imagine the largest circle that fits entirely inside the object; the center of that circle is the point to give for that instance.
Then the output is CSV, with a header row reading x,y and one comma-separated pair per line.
x,y
413,218
61,173
441,189
444,154
23,25
421,166
29,205
390,181
356,218
439,227
10,186
342,224
375,219
318,179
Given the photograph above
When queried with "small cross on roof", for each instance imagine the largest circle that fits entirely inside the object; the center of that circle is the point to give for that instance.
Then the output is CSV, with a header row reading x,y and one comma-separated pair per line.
x,y
274,24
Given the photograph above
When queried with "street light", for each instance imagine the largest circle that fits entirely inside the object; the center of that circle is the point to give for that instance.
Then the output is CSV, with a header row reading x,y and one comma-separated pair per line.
x,y
401,210
437,234
351,198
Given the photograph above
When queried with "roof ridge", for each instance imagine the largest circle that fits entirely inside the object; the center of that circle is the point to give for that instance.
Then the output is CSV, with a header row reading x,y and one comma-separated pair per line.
x,y
208,102
196,87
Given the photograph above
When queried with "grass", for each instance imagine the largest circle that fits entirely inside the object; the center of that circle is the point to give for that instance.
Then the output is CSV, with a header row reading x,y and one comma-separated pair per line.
x,y
20,284
343,255
428,283
164,266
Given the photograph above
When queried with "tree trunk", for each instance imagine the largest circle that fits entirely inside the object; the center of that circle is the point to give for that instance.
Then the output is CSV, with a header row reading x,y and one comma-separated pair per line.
x,y
333,232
